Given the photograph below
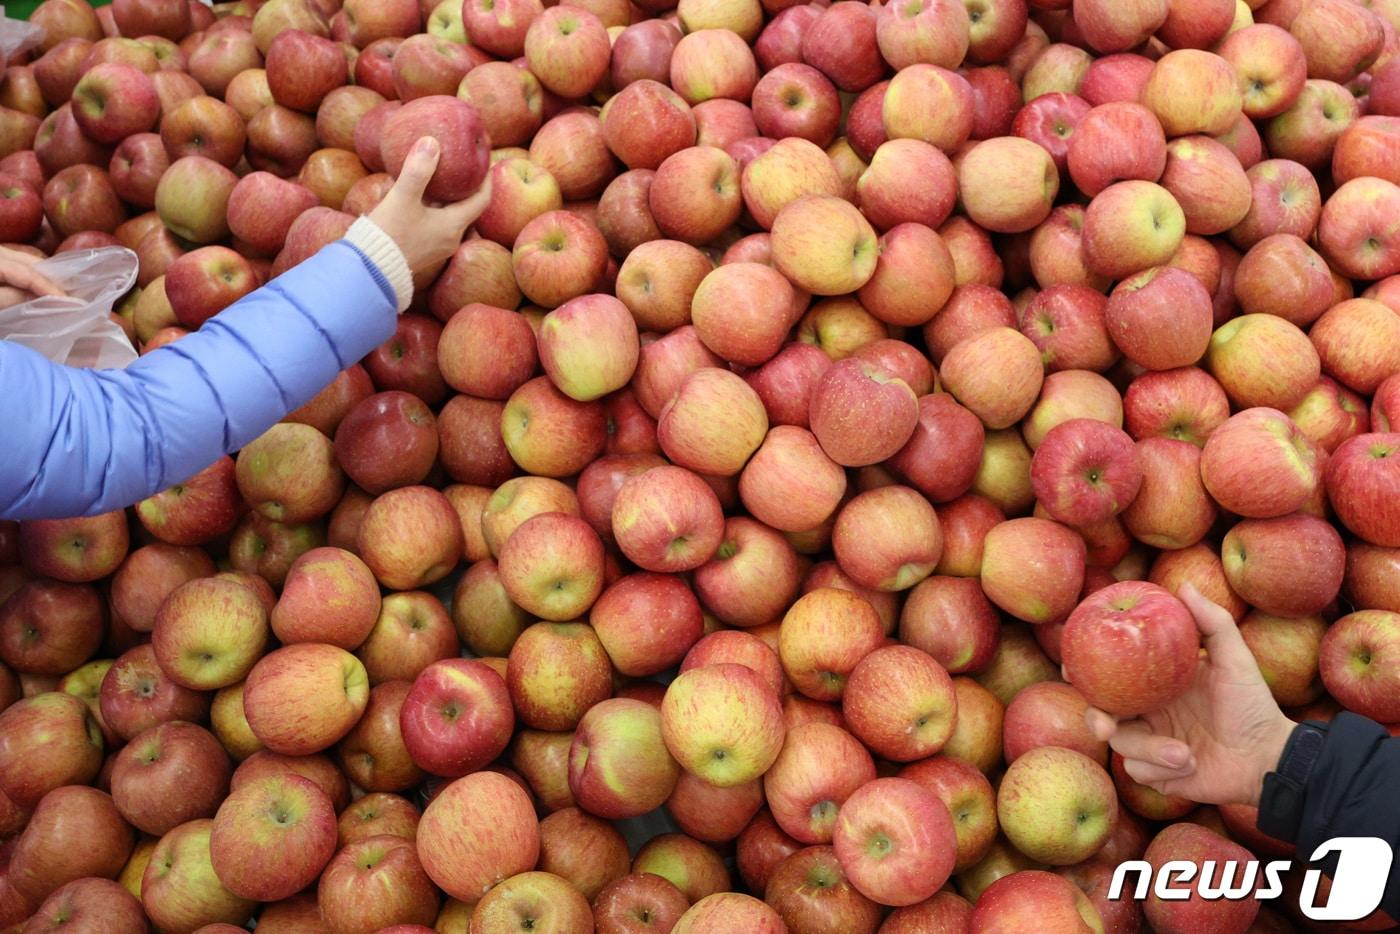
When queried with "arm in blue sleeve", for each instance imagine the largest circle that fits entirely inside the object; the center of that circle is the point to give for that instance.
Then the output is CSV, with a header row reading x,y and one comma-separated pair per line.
x,y
80,442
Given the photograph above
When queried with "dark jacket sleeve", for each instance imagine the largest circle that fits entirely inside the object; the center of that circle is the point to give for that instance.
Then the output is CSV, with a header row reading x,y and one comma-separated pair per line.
x,y
79,442
1337,780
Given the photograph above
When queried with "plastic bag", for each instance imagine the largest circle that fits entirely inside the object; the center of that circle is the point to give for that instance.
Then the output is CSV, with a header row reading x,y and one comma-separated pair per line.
x,y
17,36
75,329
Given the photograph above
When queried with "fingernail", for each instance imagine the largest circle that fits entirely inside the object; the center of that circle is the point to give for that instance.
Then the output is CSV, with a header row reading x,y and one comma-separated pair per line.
x,y
428,146
1176,756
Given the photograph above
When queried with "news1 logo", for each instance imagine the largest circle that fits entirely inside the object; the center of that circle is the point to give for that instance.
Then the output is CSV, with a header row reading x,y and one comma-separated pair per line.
x,y
1363,866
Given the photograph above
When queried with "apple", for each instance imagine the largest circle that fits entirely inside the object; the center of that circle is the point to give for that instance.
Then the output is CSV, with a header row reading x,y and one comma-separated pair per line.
x,y
1113,142
378,879
1172,509
895,841
1031,896
1007,184
1369,576
552,566
1049,714
1192,91
547,652
636,902
1033,569
749,331
463,857
192,199
809,888
1186,404
75,832
1355,341
412,632
823,636
929,103
217,58
906,679
722,723
568,50
99,903
1360,481
695,195
203,126
500,27
113,101
557,256
753,576
951,620
319,769
285,678
588,346
1085,472
368,21
457,127
47,741
1131,226
790,455
667,520
1056,805
209,633
378,814
823,245
1194,843
1130,648
729,911
146,18
1281,275
1001,402
904,524
1285,468
262,207
1285,201
330,596
179,888
1287,652
272,837
586,851
169,774
397,418
1289,566
1348,230
619,766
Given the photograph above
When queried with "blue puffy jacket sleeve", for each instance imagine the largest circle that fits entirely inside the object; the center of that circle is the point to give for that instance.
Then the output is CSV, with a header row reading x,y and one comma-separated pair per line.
x,y
80,442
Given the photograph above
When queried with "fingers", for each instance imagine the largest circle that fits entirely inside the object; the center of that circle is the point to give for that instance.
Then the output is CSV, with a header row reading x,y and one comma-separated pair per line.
x,y
1136,742
1220,635
464,213
1146,773
25,278
417,170
1102,725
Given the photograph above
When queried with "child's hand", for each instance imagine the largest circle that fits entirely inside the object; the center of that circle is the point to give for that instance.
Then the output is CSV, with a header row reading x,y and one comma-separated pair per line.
x,y
428,236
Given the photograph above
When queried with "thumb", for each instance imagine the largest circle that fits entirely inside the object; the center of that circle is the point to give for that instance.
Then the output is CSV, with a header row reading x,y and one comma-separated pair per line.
x,y
1221,637
418,170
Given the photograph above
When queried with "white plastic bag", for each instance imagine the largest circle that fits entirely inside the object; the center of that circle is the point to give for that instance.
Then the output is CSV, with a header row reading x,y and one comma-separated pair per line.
x,y
75,329
17,36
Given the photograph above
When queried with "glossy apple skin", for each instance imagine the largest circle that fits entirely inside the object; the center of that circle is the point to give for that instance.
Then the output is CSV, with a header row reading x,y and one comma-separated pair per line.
x,y
457,717
895,841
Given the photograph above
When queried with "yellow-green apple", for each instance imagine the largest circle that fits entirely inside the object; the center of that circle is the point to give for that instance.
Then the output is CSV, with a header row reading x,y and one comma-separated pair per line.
x,y
558,256
855,385
410,537
1131,226
272,837
1284,466
192,199
1059,69
1114,142
1353,231
568,50
376,881
1307,132
713,423
99,903
209,632
1281,275
667,520
895,841
1029,896
661,301
552,566
1358,342
929,103
887,538
1185,404
823,245
1130,648
289,473
1370,577
950,619
1007,184
796,101
457,127
557,672
743,312
1263,360
169,774
74,550
1285,200
136,695
638,901
713,63
489,623
722,723
1056,805
47,741
753,576
619,766
75,832
303,698
1049,714
1196,844
1362,481
729,911
465,857
1385,405
180,890
374,754
914,276
785,383
710,814
823,636
49,628
900,702
646,622
1085,472
456,718
643,51
1288,566
113,101
1355,660
1033,569
378,814
1004,474
1172,509
413,631
809,890
840,326
262,207
1002,401
1068,395
1192,91
1287,652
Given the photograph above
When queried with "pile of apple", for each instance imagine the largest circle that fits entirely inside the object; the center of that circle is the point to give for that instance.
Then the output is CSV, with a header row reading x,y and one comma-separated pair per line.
x,y
823,414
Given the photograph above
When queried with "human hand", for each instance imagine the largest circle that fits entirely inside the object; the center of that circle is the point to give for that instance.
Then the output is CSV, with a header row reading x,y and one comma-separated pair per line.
x,y
1215,743
19,281
428,236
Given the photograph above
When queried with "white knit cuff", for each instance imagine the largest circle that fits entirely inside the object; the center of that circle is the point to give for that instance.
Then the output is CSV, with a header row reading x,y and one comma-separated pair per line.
x,y
370,239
